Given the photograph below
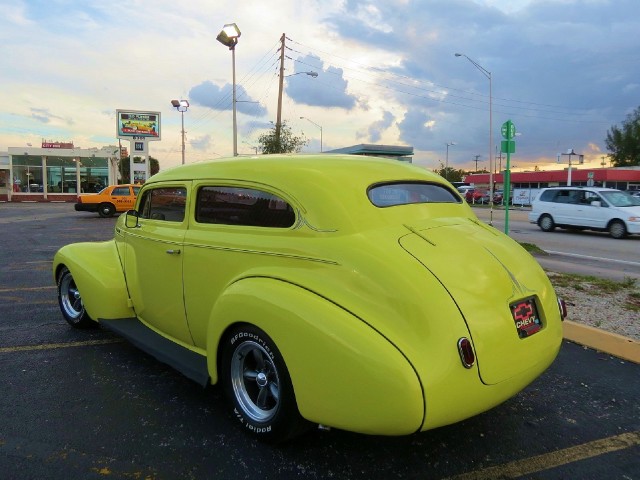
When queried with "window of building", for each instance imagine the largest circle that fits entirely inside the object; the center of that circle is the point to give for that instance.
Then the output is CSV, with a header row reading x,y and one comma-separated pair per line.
x,y
61,175
242,206
27,174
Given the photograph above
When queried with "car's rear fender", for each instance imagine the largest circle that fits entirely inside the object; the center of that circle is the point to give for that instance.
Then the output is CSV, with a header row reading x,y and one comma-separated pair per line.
x,y
97,272
345,374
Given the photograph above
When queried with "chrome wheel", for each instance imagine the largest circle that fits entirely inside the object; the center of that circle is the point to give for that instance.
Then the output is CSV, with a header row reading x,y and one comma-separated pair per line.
x,y
70,301
255,381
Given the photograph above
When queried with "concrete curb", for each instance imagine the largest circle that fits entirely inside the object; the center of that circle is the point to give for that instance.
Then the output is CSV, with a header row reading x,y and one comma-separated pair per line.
x,y
606,342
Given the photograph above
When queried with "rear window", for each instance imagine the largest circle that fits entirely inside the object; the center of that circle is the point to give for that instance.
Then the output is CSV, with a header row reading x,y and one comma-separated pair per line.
x,y
404,193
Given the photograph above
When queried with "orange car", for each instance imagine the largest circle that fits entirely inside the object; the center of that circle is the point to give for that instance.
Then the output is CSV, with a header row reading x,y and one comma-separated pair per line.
x,y
112,199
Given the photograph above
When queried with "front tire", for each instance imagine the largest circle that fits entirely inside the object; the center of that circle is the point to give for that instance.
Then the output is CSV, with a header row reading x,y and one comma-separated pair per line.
x,y
106,210
617,229
70,302
256,382
546,223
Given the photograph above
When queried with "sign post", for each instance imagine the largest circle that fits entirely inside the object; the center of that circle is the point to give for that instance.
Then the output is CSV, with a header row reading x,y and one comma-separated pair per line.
x,y
139,127
508,131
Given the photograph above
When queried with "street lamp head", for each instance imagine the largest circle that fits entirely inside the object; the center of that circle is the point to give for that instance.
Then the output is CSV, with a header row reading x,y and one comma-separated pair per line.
x,y
181,105
458,54
311,74
229,35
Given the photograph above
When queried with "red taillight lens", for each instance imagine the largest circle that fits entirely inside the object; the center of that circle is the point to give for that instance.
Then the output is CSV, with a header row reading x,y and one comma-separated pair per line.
x,y
465,349
563,308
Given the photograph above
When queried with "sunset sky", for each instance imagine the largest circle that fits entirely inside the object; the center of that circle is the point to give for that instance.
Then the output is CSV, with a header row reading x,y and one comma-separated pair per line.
x,y
564,71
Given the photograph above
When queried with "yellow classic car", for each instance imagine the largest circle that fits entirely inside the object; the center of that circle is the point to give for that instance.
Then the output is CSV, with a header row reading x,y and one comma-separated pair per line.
x,y
320,289
111,199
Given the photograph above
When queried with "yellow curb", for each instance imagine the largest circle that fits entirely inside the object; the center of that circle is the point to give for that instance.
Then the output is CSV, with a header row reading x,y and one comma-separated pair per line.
x,y
610,343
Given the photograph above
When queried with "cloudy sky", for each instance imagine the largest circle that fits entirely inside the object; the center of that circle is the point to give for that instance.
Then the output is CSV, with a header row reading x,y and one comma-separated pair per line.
x,y
564,71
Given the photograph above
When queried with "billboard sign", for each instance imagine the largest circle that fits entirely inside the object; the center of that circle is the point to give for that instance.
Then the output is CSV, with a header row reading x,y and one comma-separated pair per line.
x,y
134,123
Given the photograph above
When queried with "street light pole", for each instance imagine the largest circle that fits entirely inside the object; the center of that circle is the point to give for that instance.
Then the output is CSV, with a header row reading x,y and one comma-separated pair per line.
x,y
229,38
487,74
181,106
311,121
446,165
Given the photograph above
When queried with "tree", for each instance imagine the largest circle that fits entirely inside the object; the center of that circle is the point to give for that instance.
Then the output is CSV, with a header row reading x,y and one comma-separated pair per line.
x,y
624,142
450,174
289,143
125,168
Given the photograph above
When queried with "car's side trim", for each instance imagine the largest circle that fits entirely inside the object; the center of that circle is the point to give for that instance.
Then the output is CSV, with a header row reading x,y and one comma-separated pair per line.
x,y
191,364
262,252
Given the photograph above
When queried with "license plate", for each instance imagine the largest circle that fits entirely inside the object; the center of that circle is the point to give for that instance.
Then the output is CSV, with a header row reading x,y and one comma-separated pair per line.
x,y
525,315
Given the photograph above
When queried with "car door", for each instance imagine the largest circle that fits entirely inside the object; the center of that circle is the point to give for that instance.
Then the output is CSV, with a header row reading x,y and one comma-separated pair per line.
x,y
121,197
154,260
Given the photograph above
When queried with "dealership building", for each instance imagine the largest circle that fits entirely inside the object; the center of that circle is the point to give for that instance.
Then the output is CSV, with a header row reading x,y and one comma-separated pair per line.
x,y
56,171
526,185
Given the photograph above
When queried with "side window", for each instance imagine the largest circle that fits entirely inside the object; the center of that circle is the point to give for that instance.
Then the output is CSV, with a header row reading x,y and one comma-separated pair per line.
x,y
166,203
591,197
136,190
242,206
548,195
120,192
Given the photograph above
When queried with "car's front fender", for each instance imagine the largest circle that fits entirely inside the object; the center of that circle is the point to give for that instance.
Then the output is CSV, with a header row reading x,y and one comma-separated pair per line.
x,y
345,374
98,274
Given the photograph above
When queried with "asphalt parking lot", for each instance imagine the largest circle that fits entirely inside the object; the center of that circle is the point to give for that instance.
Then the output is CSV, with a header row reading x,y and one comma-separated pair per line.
x,y
85,404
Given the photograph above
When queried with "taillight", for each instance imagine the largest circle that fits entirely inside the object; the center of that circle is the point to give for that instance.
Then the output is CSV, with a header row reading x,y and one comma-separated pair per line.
x,y
465,349
563,308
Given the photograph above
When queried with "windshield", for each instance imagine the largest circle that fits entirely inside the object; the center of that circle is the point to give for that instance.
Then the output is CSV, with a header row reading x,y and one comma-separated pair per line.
x,y
403,193
621,199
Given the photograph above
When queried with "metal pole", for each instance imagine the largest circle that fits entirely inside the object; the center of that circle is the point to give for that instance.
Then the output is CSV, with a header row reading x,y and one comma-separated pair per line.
x,y
446,164
491,152
182,113
235,126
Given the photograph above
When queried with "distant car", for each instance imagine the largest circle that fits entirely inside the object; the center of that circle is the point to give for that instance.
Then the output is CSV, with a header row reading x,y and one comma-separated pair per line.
x,y
318,289
112,199
592,208
477,196
635,193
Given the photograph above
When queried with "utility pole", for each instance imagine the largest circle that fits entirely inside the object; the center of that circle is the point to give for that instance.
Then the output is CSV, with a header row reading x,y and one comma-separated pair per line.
x,y
477,157
280,87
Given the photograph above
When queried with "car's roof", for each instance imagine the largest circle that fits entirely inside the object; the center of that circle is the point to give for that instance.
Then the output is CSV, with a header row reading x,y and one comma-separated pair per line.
x,y
333,186
292,168
580,187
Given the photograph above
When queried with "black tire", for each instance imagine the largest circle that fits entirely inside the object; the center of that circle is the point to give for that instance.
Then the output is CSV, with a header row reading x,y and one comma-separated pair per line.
x,y
70,302
256,382
617,229
546,223
106,210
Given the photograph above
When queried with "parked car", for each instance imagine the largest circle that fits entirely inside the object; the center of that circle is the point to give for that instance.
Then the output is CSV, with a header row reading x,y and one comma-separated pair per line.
x,y
112,199
318,289
593,208
635,193
476,195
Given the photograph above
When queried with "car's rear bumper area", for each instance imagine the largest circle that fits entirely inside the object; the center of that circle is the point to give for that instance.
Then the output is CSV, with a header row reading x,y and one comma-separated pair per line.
x,y
86,207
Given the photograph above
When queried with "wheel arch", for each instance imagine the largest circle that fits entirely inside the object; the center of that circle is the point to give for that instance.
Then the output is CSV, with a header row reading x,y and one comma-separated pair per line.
x,y
341,368
97,272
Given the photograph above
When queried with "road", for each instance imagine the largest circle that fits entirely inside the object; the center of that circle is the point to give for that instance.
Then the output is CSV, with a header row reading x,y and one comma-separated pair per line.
x,y
85,404
571,251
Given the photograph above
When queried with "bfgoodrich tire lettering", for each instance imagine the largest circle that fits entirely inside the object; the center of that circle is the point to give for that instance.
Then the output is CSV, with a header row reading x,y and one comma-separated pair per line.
x,y
70,301
257,384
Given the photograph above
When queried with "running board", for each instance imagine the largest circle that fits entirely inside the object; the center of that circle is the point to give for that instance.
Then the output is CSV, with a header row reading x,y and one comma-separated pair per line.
x,y
191,364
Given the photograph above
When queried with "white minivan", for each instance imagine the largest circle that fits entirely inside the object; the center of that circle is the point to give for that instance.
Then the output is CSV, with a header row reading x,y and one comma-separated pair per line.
x,y
592,208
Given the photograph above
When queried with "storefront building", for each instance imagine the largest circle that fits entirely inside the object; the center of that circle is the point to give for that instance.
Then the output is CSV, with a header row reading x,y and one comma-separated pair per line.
x,y
525,186
55,171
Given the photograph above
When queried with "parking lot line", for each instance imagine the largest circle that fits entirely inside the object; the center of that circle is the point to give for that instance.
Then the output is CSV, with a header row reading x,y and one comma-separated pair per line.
x,y
53,346
26,289
539,463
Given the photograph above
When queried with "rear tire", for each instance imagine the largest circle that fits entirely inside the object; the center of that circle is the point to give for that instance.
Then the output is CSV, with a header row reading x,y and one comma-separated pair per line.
x,y
70,302
106,210
546,223
617,229
256,382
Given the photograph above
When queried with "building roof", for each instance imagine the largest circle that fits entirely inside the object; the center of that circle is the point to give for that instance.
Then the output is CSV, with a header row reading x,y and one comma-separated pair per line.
x,y
373,149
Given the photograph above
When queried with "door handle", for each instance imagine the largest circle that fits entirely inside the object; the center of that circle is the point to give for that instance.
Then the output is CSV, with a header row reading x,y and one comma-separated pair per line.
x,y
173,252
